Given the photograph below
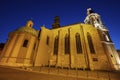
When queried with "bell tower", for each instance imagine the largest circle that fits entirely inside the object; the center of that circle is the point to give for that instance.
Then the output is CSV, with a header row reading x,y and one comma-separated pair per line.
x,y
112,55
56,23
94,19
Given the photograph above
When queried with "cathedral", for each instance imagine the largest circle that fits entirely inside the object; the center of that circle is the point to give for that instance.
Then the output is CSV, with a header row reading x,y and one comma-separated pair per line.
x,y
82,45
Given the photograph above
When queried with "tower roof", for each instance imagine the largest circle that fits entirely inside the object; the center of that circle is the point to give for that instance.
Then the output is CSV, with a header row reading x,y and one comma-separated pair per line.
x,y
28,28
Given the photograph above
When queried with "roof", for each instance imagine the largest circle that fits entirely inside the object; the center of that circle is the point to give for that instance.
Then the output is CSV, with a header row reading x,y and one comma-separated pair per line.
x,y
28,28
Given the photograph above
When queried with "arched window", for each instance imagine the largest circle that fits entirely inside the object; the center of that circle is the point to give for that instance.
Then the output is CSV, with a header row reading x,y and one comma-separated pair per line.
x,y
56,42
47,41
67,44
78,43
25,43
91,47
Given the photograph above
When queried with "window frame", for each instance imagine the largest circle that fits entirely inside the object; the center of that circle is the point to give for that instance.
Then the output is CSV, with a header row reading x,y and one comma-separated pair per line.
x,y
90,43
78,43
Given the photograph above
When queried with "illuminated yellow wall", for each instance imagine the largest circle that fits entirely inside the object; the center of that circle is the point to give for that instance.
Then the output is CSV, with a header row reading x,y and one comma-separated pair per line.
x,y
43,52
84,60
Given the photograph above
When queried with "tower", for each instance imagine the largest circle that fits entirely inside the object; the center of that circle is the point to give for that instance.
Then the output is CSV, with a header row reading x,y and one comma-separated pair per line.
x,y
56,23
94,19
111,53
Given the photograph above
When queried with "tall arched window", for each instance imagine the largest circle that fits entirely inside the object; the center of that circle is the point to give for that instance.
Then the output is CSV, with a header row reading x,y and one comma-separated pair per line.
x,y
78,43
56,44
67,44
47,40
91,47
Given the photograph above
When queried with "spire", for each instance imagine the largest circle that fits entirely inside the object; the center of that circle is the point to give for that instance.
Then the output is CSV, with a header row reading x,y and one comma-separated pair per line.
x,y
56,23
29,23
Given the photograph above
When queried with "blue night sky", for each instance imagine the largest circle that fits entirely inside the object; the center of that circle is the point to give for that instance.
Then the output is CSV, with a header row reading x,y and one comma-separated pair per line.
x,y
15,13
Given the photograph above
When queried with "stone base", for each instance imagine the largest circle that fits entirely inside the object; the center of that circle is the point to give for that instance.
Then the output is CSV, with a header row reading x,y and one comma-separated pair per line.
x,y
15,64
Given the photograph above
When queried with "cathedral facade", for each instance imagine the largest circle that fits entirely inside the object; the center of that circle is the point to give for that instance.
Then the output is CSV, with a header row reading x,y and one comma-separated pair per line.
x,y
82,45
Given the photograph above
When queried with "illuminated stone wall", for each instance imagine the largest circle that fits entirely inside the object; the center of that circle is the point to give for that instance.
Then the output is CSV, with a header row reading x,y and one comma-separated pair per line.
x,y
85,60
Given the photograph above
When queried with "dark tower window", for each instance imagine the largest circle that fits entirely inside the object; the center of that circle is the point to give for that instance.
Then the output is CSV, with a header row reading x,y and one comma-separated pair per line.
x,y
25,43
67,44
98,21
91,47
47,41
56,42
78,43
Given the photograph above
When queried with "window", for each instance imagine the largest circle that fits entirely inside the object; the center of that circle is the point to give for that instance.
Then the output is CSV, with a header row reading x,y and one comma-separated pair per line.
x,y
78,43
98,21
67,44
95,59
34,46
47,41
25,43
111,55
91,47
56,42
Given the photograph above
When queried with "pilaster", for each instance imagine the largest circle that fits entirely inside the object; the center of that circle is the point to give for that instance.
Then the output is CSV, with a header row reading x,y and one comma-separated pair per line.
x,y
15,51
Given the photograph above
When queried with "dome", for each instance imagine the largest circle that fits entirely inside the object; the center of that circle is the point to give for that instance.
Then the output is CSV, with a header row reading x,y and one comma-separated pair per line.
x,y
28,28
